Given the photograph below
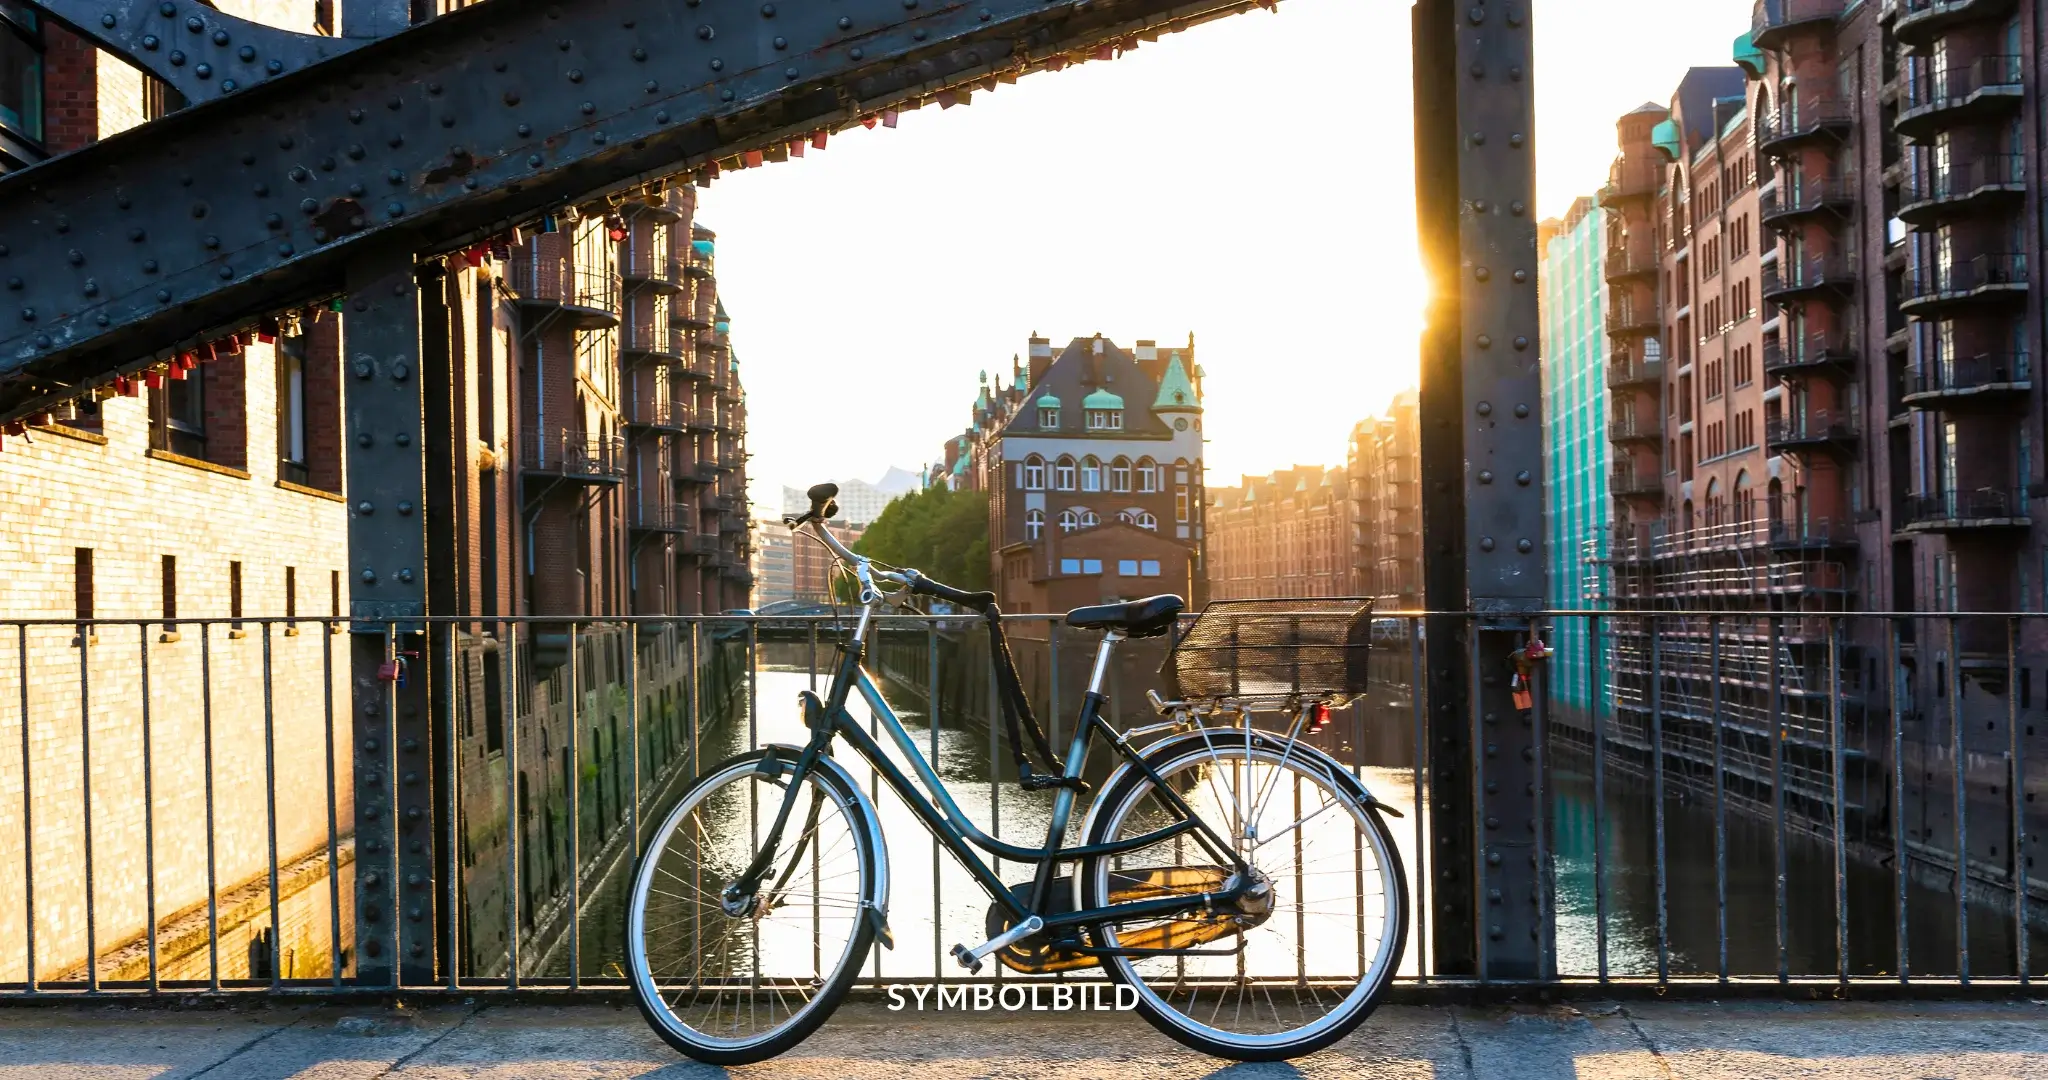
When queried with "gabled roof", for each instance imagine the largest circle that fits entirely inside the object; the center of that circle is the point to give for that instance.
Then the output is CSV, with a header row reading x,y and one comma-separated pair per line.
x,y
1176,390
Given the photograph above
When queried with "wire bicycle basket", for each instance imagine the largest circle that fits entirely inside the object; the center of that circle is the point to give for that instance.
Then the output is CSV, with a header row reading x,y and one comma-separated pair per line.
x,y
1269,653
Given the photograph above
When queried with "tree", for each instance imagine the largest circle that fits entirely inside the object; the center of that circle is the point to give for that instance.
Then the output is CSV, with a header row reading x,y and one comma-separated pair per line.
x,y
940,532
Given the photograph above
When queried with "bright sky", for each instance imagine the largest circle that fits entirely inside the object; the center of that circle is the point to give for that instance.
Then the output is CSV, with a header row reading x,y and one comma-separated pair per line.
x,y
1250,180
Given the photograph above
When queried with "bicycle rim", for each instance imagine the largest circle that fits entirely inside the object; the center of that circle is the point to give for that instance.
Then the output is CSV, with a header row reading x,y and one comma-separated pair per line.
x,y
731,984
1336,891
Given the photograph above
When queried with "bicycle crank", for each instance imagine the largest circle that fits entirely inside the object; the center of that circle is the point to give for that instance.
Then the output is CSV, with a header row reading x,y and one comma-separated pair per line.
x,y
1251,908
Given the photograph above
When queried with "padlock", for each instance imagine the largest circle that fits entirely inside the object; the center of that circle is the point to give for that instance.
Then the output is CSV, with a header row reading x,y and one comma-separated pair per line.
x,y
388,671
1318,716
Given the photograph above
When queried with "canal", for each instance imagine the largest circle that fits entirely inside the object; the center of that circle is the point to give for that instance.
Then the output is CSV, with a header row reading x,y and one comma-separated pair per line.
x,y
934,903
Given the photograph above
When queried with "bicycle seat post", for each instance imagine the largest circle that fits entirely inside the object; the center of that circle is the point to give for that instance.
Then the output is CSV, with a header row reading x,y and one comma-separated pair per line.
x,y
1109,640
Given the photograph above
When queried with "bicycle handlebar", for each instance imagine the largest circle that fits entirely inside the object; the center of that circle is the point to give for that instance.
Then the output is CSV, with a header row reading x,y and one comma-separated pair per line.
x,y
979,601
822,506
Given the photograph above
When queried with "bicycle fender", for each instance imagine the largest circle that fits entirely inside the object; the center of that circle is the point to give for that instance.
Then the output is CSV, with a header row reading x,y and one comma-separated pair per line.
x,y
1171,747
879,910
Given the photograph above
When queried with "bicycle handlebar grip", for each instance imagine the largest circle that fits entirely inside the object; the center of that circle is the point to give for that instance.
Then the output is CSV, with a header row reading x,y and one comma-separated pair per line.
x,y
979,601
821,496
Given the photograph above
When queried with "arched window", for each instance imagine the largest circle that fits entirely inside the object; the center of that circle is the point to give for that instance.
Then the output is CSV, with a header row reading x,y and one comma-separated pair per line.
x,y
1063,474
1744,512
1148,475
1087,516
1143,519
1713,502
1091,474
1120,474
1034,524
1034,473
1069,521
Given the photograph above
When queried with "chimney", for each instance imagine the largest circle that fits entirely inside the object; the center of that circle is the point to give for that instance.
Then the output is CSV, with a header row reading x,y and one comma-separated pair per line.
x,y
1146,349
1041,357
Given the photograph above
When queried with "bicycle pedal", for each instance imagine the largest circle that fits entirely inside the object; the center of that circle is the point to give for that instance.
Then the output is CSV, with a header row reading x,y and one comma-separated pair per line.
x,y
967,958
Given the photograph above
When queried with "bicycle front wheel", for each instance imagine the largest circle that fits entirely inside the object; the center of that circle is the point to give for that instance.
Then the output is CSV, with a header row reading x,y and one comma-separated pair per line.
x,y
1307,954
733,984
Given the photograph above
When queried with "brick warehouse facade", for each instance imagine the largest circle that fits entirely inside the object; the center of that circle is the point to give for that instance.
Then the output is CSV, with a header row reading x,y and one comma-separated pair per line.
x,y
1093,464
1384,466
1872,170
598,421
1283,535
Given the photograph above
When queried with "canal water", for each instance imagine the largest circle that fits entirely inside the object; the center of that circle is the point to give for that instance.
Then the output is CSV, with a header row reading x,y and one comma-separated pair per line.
x,y
935,904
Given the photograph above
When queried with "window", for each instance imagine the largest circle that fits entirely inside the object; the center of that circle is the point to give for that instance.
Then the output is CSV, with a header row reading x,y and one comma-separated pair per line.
x,y
81,583
1120,475
1080,566
1048,418
291,410
1148,567
177,415
1105,419
1063,474
1127,567
1091,566
235,594
334,593
1034,473
323,17
1034,524
1141,518
21,71
170,583
1180,505
1069,521
1086,517
1091,474
1148,475
291,592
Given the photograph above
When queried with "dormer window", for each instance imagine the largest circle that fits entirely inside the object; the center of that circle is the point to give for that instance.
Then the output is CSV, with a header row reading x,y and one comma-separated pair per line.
x,y
1105,419
1048,418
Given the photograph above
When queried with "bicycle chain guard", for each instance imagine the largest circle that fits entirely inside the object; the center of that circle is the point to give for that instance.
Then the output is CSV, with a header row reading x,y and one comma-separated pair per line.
x,y
1040,958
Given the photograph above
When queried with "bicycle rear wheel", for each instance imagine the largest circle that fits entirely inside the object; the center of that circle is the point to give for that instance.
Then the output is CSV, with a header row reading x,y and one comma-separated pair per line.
x,y
1278,978
733,987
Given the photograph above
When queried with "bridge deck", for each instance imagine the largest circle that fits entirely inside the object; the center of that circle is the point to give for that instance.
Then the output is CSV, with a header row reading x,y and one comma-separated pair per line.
x,y
1589,1042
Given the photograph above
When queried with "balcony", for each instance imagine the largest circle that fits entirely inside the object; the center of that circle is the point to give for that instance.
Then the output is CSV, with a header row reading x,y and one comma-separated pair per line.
x,y
699,263
1630,261
1993,183
1629,320
1919,22
1986,378
1631,182
1983,508
652,265
1817,274
667,417
696,365
731,522
660,519
1985,279
656,341
1627,372
1798,197
702,544
1814,429
1773,21
686,316
1628,427
1813,352
572,455
1987,87
1627,482
585,298
1799,121
1788,529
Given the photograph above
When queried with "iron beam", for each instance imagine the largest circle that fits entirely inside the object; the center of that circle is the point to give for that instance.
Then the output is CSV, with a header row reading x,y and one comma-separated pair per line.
x,y
1481,445
196,223
198,51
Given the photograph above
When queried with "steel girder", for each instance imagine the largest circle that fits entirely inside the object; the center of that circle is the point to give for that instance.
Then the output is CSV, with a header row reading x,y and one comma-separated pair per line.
x,y
200,52
251,201
1483,486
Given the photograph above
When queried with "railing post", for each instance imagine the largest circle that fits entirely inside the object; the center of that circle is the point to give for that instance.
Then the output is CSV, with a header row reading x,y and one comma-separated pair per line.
x,y
391,729
1481,445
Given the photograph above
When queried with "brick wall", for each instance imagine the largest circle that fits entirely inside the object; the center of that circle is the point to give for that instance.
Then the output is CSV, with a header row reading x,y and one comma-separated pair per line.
x,y
70,90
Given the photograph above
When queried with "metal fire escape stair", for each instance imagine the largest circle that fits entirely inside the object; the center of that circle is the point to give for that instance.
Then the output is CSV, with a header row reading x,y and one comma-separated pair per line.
x,y
261,197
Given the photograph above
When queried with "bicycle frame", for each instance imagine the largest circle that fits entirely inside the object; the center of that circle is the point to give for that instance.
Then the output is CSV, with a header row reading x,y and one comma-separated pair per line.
x,y
830,719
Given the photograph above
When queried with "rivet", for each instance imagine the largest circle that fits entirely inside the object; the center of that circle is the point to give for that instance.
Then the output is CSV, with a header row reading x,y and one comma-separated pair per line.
x,y
562,44
1486,341
395,209
284,249
652,86
275,67
194,24
1515,140
149,266
364,439
199,209
365,509
469,183
706,33
524,130
576,75
362,367
274,221
355,116
136,234
309,205
725,95
76,256
511,97
1486,543
1479,138
220,37
1479,71
402,439
92,287
369,577
405,576
1514,16
533,161
1523,478
433,89
639,54
1521,276
149,41
717,64
246,53
356,151
1475,14
356,189
588,108
1515,73
1524,546
661,117
1521,343
1485,408
918,33
163,296
396,141
394,177
984,15
395,104
909,4
1482,273
767,11
845,23
789,73
28,314
781,42
500,66
262,190
1486,476
597,137
319,236
227,273
855,52
1521,410
107,21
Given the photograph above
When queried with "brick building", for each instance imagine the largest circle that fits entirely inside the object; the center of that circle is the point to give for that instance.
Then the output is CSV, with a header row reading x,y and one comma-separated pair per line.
x,y
1384,468
1821,324
1283,535
591,464
1092,459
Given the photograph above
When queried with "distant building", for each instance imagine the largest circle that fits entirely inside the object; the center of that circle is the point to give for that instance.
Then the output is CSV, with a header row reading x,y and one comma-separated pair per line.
x,y
1384,466
1578,503
860,502
1283,535
811,564
774,569
1092,460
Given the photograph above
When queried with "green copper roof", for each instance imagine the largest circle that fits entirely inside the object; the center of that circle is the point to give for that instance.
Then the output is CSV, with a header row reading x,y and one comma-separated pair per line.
x,y
1665,137
1048,402
1102,399
1175,390
1748,57
722,326
704,246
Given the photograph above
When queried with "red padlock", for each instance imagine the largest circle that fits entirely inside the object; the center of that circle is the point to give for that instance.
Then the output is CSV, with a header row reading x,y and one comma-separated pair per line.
x,y
388,671
1318,717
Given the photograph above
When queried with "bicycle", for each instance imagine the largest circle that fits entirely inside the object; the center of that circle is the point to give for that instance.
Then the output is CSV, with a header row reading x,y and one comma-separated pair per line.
x,y
742,940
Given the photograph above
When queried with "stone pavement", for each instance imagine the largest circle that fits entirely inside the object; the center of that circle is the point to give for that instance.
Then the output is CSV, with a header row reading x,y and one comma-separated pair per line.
x,y
866,1040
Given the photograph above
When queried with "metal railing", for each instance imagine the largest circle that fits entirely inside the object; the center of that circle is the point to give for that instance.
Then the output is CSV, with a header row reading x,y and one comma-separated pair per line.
x,y
1970,505
1799,118
572,454
1952,86
1771,16
1631,425
1989,271
555,279
1969,374
1797,194
658,337
1626,480
661,518
1628,369
1627,318
1810,426
1815,271
1962,179
1751,801
658,412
